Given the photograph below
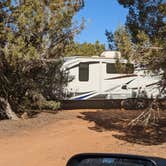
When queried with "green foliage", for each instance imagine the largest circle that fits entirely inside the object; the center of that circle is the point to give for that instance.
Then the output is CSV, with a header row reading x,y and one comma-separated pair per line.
x,y
147,16
146,23
84,49
33,35
43,77
124,68
35,100
38,29
50,105
110,40
121,41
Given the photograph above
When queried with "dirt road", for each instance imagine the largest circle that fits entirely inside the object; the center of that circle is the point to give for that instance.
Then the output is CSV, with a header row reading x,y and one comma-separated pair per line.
x,y
64,135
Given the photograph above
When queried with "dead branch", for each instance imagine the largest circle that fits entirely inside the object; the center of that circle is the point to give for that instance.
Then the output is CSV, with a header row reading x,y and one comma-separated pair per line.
x,y
10,114
150,115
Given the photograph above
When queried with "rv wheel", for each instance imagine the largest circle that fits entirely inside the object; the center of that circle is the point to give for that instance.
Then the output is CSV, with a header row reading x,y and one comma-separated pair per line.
x,y
141,104
127,104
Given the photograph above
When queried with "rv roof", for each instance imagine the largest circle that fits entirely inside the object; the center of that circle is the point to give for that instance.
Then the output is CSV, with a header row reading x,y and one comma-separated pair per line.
x,y
86,57
71,61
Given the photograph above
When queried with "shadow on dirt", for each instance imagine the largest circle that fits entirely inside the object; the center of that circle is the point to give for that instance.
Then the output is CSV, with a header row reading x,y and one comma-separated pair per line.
x,y
117,120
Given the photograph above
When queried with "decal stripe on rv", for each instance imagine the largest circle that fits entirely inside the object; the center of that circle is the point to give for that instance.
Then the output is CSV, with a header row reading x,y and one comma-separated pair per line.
x,y
125,76
83,96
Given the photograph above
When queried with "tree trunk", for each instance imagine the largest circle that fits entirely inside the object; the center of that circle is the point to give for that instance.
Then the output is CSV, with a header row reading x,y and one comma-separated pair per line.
x,y
10,114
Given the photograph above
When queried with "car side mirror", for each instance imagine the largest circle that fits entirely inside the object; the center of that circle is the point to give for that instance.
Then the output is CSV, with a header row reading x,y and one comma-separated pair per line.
x,y
109,160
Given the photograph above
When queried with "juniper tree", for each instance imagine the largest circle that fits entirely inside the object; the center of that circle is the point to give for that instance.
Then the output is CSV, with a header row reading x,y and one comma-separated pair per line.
x,y
84,49
146,22
31,32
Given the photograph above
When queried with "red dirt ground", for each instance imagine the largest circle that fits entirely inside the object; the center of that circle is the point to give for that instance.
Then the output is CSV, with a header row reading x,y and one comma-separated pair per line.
x,y
50,140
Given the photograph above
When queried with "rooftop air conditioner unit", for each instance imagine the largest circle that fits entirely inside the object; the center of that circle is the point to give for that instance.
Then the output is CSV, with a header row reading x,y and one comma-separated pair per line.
x,y
111,54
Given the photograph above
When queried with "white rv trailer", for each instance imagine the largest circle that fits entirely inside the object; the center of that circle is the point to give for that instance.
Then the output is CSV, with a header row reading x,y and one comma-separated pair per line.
x,y
96,77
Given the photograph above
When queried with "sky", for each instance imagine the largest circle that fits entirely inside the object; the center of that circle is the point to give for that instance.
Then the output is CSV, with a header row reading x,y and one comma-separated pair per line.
x,y
100,15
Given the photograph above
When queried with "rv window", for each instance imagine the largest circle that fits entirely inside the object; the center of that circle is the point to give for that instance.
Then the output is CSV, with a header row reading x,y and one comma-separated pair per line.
x,y
111,68
121,68
83,72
